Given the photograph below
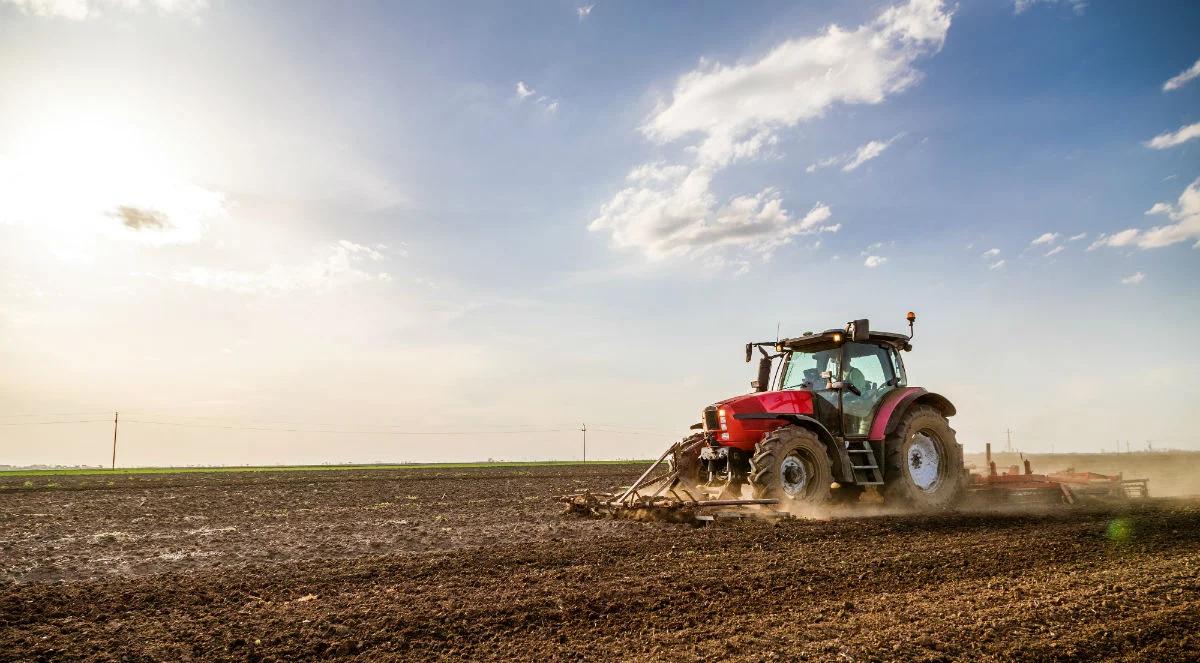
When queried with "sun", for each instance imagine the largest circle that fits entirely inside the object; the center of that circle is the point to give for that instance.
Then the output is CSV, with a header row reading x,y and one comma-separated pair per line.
x,y
92,176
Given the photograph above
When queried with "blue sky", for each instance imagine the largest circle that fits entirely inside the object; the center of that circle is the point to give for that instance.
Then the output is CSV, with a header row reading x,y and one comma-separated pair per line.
x,y
497,220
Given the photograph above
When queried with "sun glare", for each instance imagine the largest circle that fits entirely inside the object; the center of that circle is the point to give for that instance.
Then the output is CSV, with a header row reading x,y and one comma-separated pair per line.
x,y
92,178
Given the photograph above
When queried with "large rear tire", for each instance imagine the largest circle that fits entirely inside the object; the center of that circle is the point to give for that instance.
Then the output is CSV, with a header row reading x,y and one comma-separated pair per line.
x,y
923,462
791,465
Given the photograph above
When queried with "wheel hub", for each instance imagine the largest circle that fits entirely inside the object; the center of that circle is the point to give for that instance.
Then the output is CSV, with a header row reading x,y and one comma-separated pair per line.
x,y
924,461
793,475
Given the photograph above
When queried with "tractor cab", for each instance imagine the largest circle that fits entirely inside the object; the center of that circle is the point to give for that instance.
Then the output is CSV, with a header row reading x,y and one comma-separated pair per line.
x,y
849,371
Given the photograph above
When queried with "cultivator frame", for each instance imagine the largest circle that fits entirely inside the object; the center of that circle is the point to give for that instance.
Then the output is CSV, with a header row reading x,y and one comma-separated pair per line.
x,y
1015,486
663,497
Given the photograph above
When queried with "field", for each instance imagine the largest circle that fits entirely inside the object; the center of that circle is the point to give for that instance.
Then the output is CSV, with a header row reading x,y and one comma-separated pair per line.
x,y
479,563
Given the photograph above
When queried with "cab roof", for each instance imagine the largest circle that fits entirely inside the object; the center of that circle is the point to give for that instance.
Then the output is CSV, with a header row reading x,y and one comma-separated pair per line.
x,y
832,337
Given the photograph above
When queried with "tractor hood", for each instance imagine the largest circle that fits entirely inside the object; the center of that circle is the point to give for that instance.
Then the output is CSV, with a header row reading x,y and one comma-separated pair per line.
x,y
737,422
771,401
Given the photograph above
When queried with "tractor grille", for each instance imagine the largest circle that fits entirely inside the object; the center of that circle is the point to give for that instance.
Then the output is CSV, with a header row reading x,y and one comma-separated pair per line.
x,y
710,418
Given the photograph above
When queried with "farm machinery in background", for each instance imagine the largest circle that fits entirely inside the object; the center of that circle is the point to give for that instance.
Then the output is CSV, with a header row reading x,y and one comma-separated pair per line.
x,y
832,418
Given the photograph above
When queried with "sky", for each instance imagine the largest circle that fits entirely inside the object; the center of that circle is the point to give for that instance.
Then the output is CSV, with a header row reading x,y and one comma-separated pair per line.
x,y
305,232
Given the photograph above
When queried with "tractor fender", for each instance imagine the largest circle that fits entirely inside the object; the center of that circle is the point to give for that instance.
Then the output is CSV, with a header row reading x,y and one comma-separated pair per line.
x,y
837,452
894,407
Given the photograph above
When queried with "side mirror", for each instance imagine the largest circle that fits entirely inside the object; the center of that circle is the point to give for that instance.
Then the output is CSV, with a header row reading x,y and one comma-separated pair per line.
x,y
862,331
764,375
749,352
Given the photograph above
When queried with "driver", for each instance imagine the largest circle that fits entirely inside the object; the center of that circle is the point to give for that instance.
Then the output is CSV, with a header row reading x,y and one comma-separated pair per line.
x,y
856,378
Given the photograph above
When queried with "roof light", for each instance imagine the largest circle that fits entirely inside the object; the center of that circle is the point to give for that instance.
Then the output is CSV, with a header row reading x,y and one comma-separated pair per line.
x,y
837,338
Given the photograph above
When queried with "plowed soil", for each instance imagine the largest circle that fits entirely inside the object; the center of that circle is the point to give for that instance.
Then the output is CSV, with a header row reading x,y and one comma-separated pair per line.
x,y
481,564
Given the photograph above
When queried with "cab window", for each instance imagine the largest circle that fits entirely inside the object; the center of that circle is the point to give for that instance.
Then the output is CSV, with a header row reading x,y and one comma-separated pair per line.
x,y
872,371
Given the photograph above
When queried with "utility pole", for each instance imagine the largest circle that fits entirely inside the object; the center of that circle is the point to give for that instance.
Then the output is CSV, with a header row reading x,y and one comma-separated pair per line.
x,y
116,416
583,429
1008,433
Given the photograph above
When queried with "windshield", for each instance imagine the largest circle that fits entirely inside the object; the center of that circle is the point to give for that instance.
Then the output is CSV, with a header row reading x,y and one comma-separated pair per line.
x,y
804,369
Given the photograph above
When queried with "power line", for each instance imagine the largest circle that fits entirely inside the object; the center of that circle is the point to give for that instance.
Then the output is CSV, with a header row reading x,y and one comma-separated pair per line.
x,y
51,414
656,433
347,432
379,429
554,426
375,432
44,423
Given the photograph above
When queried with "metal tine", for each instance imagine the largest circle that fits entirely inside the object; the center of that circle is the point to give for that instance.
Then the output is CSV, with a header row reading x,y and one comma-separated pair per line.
x,y
637,484
640,481
665,485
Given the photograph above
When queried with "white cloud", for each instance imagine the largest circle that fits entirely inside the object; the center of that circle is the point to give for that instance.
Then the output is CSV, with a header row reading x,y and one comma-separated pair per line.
x,y
79,10
1186,227
990,253
1054,251
823,163
874,261
1182,78
670,210
1133,279
1076,238
734,112
1123,238
584,11
342,265
866,153
853,160
996,265
524,92
1044,238
1173,138
1019,6
799,80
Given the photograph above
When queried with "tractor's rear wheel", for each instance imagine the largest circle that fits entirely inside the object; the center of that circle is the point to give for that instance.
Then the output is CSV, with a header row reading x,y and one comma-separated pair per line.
x,y
923,461
790,464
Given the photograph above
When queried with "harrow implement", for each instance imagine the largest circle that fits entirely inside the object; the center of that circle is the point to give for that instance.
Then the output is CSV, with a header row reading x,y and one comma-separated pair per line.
x,y
663,496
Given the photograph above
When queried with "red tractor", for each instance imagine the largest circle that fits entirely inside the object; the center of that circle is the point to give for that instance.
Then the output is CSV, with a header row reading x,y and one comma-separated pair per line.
x,y
831,415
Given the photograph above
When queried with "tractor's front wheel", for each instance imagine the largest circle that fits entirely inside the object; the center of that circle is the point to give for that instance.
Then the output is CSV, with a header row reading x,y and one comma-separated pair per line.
x,y
790,464
923,461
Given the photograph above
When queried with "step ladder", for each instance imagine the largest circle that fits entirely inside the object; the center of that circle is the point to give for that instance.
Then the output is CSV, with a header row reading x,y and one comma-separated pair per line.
x,y
864,463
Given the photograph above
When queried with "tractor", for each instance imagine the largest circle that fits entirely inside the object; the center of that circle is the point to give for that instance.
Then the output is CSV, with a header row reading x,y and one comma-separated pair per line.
x,y
831,415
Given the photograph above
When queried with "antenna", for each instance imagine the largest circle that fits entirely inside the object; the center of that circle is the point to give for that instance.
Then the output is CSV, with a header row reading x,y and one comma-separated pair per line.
x,y
777,325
